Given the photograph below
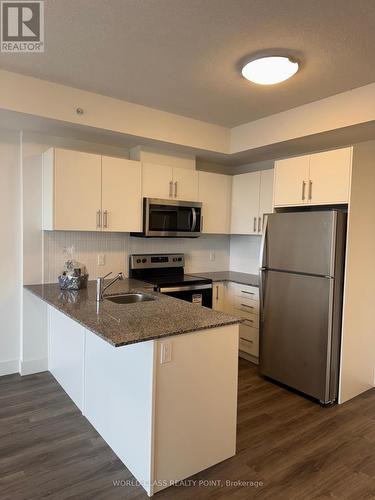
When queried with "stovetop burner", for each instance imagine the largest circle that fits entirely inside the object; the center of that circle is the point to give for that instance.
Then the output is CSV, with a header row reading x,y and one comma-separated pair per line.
x,y
163,270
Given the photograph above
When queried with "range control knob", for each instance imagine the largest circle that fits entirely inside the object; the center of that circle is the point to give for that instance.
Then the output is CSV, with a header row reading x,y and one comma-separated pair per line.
x,y
144,261
174,259
138,261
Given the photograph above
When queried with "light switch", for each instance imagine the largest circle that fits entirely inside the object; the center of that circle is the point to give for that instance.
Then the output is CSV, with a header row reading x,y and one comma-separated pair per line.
x,y
165,352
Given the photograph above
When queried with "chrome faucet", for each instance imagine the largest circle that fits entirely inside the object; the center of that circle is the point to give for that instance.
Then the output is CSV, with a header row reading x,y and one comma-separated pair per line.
x,y
100,288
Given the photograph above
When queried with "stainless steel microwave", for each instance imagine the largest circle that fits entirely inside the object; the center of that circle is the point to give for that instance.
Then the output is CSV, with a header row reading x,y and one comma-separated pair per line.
x,y
171,219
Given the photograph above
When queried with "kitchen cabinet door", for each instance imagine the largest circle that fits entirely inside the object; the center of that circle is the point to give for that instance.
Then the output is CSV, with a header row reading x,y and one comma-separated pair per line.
x,y
66,347
245,203
215,194
266,196
157,181
185,184
77,190
291,181
121,194
330,174
218,297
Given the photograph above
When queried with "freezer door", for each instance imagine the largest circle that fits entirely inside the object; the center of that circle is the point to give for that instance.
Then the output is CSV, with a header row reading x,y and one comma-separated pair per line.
x,y
295,333
302,242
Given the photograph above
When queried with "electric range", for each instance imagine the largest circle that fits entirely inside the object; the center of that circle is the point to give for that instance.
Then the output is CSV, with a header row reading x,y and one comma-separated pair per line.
x,y
166,273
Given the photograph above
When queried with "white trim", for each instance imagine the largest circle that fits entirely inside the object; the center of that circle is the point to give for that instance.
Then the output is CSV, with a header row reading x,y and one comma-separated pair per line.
x,y
33,366
9,367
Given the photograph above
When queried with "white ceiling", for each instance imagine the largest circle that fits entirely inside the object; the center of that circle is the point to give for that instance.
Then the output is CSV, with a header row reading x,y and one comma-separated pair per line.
x,y
184,56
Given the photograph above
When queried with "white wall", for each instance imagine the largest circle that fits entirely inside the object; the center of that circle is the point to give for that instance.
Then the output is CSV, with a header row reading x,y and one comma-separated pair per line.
x,y
358,330
39,98
10,252
244,254
33,351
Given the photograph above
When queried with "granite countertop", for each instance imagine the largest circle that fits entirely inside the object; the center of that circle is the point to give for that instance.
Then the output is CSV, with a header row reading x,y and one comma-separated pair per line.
x,y
235,277
123,324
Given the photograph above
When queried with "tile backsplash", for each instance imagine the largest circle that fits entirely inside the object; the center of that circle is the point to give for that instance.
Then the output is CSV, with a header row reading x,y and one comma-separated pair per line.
x,y
207,253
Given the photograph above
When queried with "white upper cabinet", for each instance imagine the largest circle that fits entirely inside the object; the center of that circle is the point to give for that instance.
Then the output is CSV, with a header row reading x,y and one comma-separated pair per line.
x,y
291,180
121,195
161,181
251,199
215,194
87,192
330,174
72,190
157,181
318,179
266,195
185,184
245,203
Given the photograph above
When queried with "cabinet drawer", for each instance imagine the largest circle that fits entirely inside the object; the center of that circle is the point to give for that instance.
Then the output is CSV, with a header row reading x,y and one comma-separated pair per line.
x,y
249,319
249,333
249,347
245,291
246,305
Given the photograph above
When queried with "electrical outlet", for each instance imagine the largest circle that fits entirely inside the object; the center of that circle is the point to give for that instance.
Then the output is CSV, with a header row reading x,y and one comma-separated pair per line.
x,y
165,352
101,259
212,256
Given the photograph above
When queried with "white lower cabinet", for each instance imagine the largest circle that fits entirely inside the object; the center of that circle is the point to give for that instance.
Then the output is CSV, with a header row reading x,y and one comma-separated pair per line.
x,y
241,301
66,341
218,297
156,416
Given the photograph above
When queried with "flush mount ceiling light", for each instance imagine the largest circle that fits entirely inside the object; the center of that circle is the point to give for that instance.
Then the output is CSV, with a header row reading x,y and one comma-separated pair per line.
x,y
270,70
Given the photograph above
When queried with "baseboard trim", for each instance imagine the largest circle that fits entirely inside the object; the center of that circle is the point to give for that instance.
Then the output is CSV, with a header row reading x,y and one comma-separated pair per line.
x,y
33,366
9,367
248,357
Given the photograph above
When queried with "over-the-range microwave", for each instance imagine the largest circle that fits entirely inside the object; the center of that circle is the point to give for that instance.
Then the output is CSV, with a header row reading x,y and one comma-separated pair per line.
x,y
171,219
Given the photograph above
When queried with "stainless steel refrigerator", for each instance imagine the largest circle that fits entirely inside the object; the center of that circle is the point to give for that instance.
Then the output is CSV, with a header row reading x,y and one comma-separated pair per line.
x,y
301,288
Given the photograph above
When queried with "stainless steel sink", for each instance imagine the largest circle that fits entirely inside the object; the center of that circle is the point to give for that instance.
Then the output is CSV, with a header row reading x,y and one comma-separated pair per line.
x,y
129,298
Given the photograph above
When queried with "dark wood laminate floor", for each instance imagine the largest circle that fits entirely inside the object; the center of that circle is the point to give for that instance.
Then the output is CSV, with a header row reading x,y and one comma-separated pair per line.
x,y
295,448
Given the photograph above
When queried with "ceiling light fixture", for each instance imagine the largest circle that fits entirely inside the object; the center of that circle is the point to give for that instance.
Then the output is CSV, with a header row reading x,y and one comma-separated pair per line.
x,y
270,70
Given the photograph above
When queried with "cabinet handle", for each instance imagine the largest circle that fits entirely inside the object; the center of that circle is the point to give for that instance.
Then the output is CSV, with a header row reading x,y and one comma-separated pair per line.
x,y
248,320
98,219
249,293
175,189
171,189
310,190
245,305
105,218
246,340
217,292
255,225
259,224
303,189
201,223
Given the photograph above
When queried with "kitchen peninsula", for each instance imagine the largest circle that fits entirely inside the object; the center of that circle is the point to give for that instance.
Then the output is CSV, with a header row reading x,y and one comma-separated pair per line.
x,y
146,374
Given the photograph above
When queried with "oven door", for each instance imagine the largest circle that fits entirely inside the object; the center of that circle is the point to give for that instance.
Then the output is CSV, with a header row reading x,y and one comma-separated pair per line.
x,y
197,294
172,218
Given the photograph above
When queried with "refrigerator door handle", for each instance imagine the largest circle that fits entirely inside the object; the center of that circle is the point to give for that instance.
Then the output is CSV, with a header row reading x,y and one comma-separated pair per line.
x,y
263,248
262,291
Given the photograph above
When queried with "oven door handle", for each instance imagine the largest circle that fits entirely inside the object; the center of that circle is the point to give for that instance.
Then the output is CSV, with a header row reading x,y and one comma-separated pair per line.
x,y
194,221
186,288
